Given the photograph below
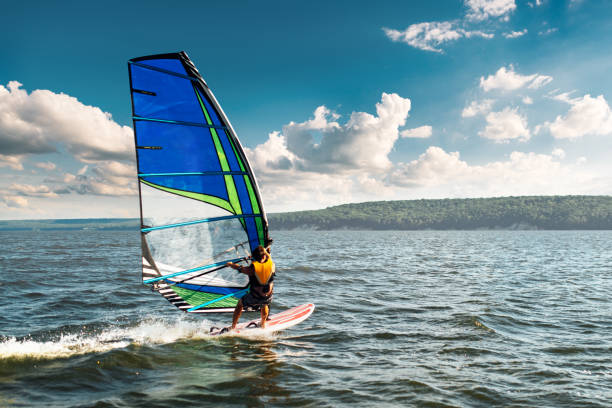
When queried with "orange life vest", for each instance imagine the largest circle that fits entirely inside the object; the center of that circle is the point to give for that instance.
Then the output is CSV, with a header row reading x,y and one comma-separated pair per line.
x,y
264,270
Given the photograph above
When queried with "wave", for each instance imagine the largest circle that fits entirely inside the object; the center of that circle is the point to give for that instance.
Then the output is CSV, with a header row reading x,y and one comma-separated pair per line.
x,y
146,332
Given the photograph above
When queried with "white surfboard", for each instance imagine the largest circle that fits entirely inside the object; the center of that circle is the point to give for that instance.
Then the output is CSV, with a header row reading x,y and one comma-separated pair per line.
x,y
275,322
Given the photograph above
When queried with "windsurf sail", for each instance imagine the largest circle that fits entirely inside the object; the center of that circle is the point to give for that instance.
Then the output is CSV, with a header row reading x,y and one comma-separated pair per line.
x,y
200,205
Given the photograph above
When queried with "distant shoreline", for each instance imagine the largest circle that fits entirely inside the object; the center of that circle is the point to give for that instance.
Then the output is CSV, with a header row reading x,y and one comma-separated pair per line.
x,y
499,213
71,224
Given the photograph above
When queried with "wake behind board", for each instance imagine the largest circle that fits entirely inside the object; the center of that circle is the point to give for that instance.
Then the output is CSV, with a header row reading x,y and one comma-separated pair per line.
x,y
276,322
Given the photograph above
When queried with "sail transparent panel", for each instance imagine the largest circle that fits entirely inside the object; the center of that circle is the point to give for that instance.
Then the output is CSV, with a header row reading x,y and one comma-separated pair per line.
x,y
197,245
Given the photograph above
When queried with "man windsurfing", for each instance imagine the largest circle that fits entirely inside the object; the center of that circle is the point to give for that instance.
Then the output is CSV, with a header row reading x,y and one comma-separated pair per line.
x,y
261,277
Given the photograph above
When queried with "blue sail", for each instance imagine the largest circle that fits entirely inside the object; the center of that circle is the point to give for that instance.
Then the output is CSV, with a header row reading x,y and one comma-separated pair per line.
x,y
199,200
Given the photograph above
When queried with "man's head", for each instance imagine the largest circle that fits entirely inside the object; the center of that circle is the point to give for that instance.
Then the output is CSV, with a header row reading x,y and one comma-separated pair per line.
x,y
259,253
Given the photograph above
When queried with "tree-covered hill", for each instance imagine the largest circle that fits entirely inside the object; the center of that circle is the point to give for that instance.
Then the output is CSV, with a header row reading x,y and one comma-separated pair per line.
x,y
529,212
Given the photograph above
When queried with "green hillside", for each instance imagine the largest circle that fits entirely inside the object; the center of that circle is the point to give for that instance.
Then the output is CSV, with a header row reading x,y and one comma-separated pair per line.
x,y
530,212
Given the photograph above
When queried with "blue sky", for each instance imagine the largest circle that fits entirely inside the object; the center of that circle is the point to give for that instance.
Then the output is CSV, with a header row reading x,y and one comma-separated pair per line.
x,y
335,101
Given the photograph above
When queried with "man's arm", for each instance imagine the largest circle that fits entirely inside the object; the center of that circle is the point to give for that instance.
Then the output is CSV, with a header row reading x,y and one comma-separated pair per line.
x,y
239,268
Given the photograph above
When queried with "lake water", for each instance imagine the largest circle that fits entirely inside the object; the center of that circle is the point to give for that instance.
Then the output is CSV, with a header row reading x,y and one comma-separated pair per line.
x,y
425,318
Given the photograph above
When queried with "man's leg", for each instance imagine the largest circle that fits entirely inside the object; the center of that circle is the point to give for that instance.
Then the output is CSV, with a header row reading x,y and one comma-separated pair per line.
x,y
265,310
237,313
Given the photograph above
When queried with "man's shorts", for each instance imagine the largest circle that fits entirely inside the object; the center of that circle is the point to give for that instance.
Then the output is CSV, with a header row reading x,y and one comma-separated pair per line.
x,y
253,302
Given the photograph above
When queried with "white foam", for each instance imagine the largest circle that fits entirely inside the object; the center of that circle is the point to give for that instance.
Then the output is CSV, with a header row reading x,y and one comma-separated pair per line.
x,y
146,332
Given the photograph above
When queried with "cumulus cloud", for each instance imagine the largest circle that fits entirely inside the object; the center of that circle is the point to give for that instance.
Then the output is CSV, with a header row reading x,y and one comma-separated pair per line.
x,y
507,80
477,108
527,100
479,10
505,126
433,167
109,178
515,34
42,120
521,174
321,144
13,201
325,161
430,35
32,191
13,162
587,116
422,132
293,174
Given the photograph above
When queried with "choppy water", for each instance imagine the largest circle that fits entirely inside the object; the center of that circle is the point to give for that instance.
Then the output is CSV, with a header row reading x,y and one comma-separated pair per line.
x,y
448,319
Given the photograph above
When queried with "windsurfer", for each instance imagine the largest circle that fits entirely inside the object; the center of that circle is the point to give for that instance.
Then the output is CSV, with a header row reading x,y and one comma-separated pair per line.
x,y
261,277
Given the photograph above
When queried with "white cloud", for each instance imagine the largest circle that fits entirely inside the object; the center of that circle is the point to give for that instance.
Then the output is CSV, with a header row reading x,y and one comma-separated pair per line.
x,y
479,10
508,80
13,201
521,174
422,132
321,144
430,35
477,108
13,162
433,167
32,191
515,34
110,178
43,121
559,153
548,31
505,126
563,97
539,81
587,116
46,166
40,121
294,175
527,100
322,161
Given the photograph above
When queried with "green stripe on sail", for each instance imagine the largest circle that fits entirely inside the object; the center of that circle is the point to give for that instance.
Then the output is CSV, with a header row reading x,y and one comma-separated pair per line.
x,y
260,231
252,195
255,206
229,180
219,202
235,151
220,152
195,298
202,105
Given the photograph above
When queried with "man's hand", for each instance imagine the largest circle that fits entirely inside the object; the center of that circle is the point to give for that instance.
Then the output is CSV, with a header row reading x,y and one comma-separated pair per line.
x,y
271,289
